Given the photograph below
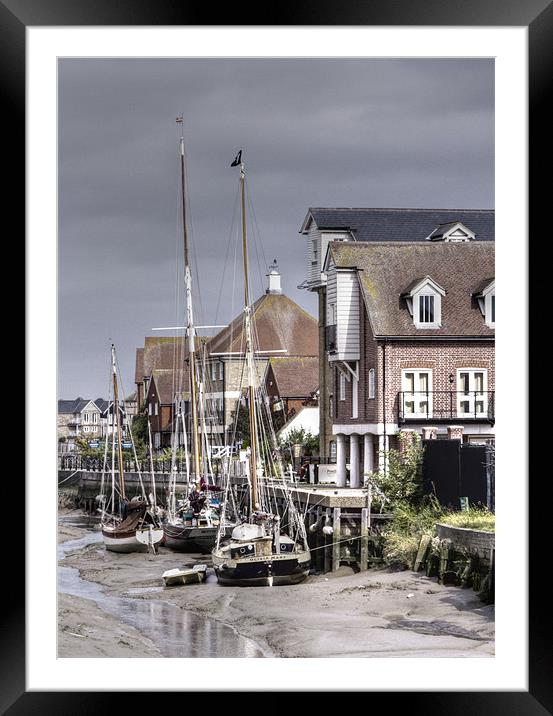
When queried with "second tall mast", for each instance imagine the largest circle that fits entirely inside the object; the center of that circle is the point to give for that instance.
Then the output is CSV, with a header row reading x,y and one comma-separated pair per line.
x,y
190,330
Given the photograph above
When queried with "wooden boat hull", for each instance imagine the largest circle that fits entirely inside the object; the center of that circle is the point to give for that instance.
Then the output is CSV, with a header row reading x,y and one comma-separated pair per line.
x,y
189,539
267,571
127,541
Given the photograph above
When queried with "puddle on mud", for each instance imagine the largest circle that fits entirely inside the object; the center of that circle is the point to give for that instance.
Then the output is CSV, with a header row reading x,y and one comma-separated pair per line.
x,y
176,632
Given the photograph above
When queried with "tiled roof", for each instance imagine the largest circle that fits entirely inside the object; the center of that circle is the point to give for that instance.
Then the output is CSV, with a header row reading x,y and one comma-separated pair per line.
x,y
167,382
296,377
403,224
279,323
139,366
482,286
386,269
162,353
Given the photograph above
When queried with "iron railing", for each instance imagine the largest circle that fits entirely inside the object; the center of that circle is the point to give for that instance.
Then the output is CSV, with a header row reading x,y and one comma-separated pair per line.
x,y
476,406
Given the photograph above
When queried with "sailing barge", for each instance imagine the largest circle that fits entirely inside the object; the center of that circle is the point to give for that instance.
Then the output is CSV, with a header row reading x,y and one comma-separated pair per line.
x,y
134,525
259,552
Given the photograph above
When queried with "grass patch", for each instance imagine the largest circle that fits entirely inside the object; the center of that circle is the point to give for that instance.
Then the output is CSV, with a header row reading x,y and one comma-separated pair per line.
x,y
473,518
402,537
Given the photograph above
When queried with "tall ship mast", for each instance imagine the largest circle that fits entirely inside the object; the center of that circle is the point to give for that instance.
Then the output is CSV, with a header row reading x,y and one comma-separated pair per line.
x,y
259,552
192,524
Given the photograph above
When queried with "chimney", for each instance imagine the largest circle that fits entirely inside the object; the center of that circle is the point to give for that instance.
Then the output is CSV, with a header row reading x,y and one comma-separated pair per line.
x,y
274,278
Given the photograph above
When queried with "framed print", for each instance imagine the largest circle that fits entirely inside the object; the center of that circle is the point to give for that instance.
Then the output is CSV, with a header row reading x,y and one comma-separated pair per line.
x,y
45,47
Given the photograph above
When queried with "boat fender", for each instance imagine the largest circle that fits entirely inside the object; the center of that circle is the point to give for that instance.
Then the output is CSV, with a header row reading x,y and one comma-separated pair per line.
x,y
316,526
328,530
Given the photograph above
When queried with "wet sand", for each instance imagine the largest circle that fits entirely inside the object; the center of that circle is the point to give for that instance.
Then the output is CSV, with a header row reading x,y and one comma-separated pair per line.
x,y
374,613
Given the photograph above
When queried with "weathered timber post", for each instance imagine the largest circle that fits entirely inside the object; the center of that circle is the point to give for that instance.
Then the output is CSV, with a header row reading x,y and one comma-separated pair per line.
x,y
422,552
327,549
446,556
364,541
336,546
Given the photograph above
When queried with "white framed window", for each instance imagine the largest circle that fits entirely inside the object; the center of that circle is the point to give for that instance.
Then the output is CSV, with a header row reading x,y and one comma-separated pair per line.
x,y
342,381
156,408
331,406
489,303
220,370
417,393
472,396
149,411
424,302
86,417
95,418
372,383
314,251
428,310
214,371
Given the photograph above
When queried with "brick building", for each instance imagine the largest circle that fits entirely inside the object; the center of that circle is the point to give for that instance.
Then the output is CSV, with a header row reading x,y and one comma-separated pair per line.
x,y
286,337
166,388
406,328
286,345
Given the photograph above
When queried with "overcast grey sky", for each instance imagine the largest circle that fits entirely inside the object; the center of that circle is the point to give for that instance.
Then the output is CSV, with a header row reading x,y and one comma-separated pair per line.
x,y
317,132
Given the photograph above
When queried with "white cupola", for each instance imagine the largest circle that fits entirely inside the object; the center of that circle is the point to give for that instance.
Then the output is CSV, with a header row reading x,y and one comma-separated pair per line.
x,y
274,278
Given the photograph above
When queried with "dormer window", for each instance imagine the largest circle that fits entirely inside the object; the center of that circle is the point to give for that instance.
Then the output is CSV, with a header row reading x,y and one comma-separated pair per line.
x,y
452,231
424,301
426,308
485,295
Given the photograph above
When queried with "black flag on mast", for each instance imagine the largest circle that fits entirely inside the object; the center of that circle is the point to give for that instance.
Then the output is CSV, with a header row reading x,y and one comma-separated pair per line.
x,y
237,159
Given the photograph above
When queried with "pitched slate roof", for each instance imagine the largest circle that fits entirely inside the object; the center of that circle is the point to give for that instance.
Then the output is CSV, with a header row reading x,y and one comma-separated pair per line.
x,y
279,323
296,377
386,269
102,404
105,405
72,406
403,224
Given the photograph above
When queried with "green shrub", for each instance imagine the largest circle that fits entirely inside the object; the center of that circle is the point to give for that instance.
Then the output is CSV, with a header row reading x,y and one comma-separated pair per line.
x,y
401,484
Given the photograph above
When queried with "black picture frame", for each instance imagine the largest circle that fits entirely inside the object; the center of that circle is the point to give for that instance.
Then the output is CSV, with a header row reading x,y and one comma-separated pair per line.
x,y
537,16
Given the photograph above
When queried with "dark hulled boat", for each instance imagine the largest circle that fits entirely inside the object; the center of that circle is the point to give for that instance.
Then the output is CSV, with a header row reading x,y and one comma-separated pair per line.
x,y
259,553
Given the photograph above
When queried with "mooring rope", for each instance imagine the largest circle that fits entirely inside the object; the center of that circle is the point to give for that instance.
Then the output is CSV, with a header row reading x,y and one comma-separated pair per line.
x,y
67,478
350,539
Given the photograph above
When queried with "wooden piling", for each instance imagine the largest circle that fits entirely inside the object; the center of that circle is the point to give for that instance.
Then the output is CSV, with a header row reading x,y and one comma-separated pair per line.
x,y
336,546
327,550
446,556
422,552
364,541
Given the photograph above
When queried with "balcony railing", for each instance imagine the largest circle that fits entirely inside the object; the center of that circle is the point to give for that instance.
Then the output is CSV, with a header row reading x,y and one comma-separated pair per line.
x,y
474,406
330,339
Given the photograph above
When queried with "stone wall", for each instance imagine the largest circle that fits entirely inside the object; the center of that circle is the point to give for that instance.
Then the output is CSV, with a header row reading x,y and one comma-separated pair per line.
x,y
462,538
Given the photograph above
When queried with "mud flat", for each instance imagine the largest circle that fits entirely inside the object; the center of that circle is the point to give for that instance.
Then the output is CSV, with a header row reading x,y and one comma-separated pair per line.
x,y
377,613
